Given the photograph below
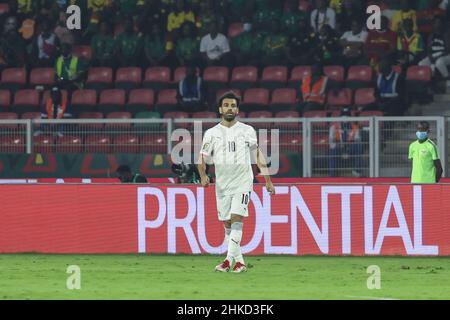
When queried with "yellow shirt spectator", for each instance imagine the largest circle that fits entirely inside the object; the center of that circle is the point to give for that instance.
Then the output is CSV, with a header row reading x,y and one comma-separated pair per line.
x,y
176,19
399,16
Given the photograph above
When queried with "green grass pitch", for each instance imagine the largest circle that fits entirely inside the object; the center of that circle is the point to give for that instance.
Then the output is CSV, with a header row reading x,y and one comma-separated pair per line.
x,y
172,277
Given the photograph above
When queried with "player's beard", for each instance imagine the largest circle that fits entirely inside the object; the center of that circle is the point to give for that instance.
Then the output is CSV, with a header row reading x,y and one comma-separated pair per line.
x,y
229,117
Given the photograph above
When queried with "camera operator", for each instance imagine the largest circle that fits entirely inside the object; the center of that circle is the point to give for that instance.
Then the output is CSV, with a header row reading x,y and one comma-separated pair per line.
x,y
126,176
188,173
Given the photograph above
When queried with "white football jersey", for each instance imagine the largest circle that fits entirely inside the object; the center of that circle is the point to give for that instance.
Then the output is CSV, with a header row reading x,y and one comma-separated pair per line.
x,y
230,150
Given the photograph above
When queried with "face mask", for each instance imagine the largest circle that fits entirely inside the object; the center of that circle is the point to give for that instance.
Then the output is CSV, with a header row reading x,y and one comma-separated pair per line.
x,y
421,135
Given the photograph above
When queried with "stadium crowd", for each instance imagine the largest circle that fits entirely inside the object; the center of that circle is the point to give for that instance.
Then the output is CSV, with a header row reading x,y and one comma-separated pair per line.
x,y
329,36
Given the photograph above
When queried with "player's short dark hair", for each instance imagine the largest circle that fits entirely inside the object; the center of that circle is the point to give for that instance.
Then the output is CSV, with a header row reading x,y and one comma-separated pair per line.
x,y
123,169
229,95
425,124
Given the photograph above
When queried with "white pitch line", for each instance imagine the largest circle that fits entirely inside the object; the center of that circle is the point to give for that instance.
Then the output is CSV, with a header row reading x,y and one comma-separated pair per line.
x,y
372,298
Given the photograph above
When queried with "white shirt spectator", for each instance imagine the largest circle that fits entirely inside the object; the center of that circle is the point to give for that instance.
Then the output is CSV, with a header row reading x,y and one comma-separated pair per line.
x,y
214,48
359,37
318,19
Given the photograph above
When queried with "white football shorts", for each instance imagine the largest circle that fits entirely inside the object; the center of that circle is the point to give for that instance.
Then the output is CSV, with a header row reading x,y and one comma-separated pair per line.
x,y
232,204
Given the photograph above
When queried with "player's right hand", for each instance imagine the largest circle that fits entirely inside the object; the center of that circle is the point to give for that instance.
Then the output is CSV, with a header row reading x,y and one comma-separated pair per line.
x,y
205,181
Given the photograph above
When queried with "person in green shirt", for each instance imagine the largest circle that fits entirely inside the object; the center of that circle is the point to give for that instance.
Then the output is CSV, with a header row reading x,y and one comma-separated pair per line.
x,y
187,47
426,165
265,13
246,47
103,46
129,45
275,46
125,8
290,20
156,49
70,70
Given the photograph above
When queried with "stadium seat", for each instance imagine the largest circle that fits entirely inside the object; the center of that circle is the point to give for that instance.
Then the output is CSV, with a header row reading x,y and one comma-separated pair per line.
x,y
143,128
98,143
206,115
4,7
8,116
339,98
288,114
255,98
274,77
83,100
365,96
317,114
359,77
297,74
291,142
178,115
118,115
334,73
283,99
304,5
69,144
126,143
12,143
111,100
419,73
216,78
157,78
26,100
154,143
5,100
235,29
140,100
167,100
244,77
99,78
83,52
128,78
31,115
13,79
42,77
261,115
371,113
91,126
43,144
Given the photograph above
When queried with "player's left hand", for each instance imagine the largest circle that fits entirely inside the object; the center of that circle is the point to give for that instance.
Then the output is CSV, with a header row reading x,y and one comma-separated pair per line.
x,y
270,188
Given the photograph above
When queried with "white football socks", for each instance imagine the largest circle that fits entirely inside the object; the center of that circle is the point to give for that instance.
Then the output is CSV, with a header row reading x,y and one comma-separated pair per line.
x,y
234,243
227,240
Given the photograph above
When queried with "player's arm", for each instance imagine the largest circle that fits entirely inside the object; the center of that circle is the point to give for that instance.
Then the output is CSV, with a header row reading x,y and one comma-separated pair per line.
x,y
262,165
202,170
439,171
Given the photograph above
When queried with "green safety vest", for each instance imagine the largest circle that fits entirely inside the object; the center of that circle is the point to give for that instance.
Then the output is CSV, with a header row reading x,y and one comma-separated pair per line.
x,y
71,72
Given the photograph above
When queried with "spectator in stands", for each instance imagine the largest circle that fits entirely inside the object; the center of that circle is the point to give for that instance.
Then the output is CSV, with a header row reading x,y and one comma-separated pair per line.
x,y
104,47
322,15
388,90
214,47
237,10
208,15
70,70
328,52
290,20
345,143
45,46
399,16
346,12
12,46
129,45
410,45
157,50
61,31
180,14
380,43
353,43
314,89
265,13
56,107
274,46
187,46
126,176
191,91
13,11
125,8
302,45
438,50
153,12
246,47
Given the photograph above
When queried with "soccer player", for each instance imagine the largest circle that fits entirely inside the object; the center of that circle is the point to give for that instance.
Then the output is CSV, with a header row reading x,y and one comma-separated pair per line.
x,y
426,166
230,146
